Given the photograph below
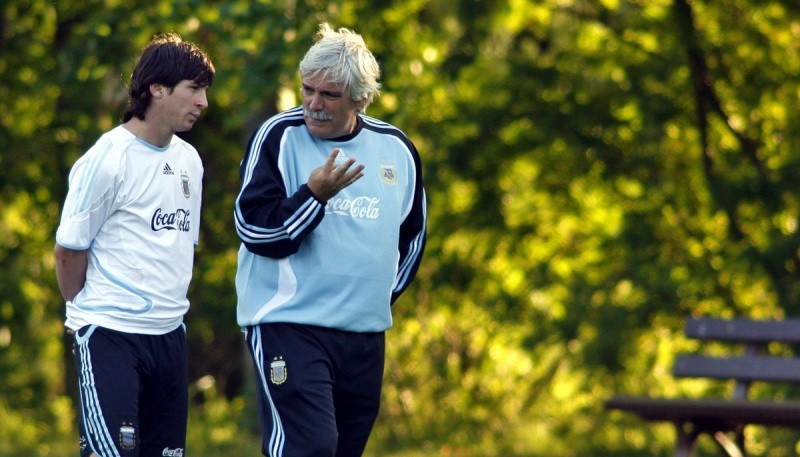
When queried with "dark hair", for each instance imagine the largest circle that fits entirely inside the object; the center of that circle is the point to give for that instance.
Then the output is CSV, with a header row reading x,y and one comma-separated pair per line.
x,y
166,60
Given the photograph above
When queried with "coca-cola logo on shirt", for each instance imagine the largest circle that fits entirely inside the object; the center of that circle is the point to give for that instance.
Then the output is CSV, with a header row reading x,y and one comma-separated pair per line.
x,y
359,207
178,220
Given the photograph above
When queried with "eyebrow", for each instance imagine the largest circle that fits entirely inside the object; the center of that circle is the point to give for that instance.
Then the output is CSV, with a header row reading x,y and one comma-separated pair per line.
x,y
326,93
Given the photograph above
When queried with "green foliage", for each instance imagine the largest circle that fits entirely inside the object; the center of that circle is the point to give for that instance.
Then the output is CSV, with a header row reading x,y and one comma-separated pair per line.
x,y
596,170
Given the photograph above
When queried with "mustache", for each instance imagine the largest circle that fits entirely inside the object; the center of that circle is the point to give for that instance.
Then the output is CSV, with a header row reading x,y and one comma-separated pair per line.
x,y
317,115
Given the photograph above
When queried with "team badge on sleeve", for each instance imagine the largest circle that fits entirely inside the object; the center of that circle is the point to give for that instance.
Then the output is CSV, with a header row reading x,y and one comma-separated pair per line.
x,y
277,371
185,184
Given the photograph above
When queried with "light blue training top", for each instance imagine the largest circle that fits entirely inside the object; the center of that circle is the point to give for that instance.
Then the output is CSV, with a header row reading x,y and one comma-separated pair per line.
x,y
337,264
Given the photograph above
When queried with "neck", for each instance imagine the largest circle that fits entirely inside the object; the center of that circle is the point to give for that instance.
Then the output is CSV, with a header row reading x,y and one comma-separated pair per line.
x,y
354,125
149,132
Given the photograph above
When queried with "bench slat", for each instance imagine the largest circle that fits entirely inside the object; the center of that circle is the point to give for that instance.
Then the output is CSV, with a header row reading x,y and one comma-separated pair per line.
x,y
742,368
743,330
716,413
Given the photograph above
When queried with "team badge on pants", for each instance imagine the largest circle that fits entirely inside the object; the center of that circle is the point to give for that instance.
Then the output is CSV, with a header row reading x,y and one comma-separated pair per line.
x,y
127,437
277,371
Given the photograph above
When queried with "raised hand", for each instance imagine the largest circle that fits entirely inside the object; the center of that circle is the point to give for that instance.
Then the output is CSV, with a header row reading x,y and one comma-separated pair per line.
x,y
327,180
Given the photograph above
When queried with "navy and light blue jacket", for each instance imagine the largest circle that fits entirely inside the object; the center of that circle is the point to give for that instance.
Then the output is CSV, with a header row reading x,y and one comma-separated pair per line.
x,y
339,264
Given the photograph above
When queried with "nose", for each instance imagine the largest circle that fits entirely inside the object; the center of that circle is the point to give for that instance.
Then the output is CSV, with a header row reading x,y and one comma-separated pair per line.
x,y
316,102
202,99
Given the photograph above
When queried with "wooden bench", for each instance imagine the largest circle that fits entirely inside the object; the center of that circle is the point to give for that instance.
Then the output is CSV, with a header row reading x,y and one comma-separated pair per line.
x,y
722,417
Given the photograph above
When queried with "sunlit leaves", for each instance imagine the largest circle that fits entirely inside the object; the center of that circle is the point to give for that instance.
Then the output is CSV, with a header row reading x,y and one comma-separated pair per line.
x,y
575,212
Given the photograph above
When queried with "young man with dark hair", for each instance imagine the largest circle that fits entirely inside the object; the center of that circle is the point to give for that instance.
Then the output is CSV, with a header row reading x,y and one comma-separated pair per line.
x,y
124,255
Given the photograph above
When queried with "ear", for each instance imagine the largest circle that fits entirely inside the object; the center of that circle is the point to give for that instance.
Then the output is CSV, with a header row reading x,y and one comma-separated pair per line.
x,y
157,90
360,105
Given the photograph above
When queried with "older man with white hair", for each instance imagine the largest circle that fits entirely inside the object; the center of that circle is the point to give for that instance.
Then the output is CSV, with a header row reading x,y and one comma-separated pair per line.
x,y
331,215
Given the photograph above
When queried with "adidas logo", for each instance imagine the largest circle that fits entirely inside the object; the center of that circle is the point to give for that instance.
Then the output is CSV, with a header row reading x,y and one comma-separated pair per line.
x,y
167,170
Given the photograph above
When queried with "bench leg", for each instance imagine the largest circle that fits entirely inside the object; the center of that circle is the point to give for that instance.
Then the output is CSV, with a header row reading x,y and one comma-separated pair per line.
x,y
687,437
740,441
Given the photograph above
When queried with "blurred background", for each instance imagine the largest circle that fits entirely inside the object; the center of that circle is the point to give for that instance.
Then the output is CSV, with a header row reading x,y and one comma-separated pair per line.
x,y
597,170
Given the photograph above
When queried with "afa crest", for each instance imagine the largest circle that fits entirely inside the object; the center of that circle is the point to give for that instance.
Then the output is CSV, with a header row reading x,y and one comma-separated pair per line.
x,y
277,371
185,184
389,174
127,436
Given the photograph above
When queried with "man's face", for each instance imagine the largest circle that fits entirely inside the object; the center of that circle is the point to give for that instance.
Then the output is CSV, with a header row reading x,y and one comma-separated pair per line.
x,y
181,108
329,112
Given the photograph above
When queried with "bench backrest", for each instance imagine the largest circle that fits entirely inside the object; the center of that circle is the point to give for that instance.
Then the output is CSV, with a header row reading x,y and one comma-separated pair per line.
x,y
741,330
751,366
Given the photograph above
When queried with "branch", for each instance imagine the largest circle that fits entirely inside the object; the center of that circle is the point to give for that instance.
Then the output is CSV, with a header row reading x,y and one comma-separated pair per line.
x,y
706,101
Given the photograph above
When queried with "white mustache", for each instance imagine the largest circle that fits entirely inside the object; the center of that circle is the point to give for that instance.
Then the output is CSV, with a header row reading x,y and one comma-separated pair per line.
x,y
318,115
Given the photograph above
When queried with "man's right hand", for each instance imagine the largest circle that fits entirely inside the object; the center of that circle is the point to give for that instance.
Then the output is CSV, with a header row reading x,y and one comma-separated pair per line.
x,y
327,180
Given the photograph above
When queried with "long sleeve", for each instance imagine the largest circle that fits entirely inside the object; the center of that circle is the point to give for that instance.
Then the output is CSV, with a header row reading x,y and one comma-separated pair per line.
x,y
270,222
412,234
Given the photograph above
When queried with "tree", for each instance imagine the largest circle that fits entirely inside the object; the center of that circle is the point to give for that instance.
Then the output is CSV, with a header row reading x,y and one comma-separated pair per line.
x,y
596,170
